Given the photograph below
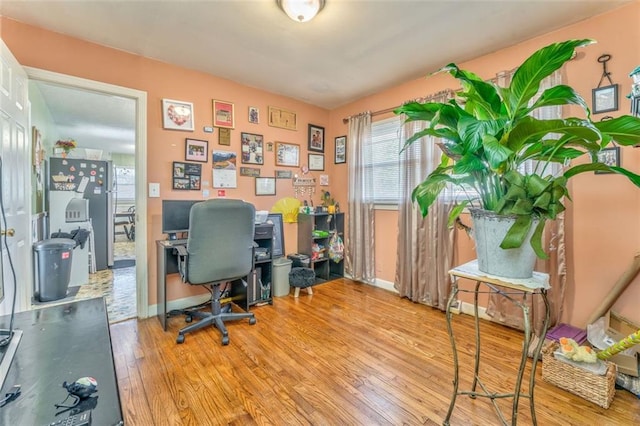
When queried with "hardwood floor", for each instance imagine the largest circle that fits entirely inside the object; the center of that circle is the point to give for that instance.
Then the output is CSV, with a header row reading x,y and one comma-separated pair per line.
x,y
350,354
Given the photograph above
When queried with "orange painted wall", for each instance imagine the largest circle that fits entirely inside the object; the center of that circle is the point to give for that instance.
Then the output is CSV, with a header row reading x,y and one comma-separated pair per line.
x,y
35,47
603,222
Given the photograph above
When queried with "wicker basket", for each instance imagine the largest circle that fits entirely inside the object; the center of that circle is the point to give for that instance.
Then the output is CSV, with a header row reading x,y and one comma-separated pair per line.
x,y
593,388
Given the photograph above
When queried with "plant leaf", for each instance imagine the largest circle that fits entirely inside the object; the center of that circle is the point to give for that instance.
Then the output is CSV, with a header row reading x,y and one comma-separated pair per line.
x,y
536,240
541,64
593,167
558,95
517,233
427,191
625,129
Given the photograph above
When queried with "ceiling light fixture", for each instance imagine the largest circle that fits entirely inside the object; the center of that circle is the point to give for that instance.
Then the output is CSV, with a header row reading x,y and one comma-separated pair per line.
x,y
301,10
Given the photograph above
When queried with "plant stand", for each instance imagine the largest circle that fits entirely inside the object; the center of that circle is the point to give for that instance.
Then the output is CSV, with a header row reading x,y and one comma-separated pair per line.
x,y
538,284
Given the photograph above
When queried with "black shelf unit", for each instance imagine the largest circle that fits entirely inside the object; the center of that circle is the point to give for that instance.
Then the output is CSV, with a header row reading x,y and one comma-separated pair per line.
x,y
259,287
324,268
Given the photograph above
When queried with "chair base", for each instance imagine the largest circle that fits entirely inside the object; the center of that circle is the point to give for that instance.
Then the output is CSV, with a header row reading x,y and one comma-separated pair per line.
x,y
216,318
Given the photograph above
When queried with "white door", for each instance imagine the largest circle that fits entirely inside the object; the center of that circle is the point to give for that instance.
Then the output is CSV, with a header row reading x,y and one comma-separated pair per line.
x,y
15,155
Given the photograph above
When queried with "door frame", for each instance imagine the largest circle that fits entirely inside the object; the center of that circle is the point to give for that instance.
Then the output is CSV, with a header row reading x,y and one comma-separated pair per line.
x,y
140,97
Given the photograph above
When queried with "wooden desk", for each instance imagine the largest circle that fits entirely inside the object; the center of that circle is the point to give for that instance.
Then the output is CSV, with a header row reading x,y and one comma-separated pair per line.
x,y
538,284
61,343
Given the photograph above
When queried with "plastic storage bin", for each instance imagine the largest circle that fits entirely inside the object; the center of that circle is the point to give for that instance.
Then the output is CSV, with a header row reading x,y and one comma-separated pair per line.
x,y
281,269
53,265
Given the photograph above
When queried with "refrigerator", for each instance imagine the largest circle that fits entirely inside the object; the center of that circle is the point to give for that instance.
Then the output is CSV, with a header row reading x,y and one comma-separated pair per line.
x,y
91,180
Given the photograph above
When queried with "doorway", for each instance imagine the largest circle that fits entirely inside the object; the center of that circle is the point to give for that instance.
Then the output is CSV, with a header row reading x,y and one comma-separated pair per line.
x,y
138,216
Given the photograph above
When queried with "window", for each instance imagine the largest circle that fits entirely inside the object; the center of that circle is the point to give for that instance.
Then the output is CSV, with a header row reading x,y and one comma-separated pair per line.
x,y
385,161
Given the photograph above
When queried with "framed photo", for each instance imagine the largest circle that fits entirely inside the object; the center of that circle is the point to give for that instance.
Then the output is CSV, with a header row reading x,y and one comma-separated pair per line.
x,y
605,99
177,115
287,154
250,171
196,150
224,137
316,161
265,186
254,115
252,148
282,118
316,138
284,174
610,157
340,150
186,176
223,114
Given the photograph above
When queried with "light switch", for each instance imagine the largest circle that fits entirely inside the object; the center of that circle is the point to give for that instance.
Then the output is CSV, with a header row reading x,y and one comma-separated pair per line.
x,y
154,190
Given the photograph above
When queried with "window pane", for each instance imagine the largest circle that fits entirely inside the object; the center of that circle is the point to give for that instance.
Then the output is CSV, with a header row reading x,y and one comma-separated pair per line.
x,y
385,160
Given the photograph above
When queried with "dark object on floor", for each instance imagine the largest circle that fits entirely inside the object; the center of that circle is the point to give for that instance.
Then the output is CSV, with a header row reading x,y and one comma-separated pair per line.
x,y
302,277
123,263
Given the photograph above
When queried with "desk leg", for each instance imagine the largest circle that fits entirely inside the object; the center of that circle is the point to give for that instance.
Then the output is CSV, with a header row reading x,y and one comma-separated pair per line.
x,y
536,355
452,298
477,328
161,282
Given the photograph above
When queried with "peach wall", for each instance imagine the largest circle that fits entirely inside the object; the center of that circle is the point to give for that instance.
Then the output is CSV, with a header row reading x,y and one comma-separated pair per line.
x,y
603,222
35,47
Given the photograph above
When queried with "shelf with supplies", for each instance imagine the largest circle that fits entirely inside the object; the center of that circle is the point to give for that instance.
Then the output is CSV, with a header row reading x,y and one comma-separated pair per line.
x,y
315,232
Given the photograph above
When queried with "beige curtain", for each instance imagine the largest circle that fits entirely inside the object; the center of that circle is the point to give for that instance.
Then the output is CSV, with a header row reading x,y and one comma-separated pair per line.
x,y
359,244
500,309
425,245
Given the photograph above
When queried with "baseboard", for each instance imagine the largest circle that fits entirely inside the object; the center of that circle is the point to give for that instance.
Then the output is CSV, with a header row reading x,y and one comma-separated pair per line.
x,y
385,285
467,308
180,303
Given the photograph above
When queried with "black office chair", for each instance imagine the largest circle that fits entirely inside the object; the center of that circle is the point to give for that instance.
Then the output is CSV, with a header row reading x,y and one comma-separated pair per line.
x,y
219,250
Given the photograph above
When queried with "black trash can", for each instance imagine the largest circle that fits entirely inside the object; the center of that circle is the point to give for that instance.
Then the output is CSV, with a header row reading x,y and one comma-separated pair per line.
x,y
53,267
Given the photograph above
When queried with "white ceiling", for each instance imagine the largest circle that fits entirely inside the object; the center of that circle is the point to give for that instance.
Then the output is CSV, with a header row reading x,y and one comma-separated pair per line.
x,y
352,49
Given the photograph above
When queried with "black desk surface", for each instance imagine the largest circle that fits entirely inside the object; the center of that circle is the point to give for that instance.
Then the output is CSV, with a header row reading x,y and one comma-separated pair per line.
x,y
61,343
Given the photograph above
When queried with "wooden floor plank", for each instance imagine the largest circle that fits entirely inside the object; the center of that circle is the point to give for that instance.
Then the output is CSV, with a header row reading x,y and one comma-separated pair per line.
x,y
348,354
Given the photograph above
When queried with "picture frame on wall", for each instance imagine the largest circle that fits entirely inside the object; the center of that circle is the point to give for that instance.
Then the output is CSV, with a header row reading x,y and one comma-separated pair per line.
x,y
254,115
252,148
340,154
265,186
316,138
287,154
223,115
316,162
282,118
610,157
186,176
604,99
177,115
196,150
224,136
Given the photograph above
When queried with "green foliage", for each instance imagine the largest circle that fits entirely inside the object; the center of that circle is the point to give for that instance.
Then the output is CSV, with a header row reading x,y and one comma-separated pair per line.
x,y
488,133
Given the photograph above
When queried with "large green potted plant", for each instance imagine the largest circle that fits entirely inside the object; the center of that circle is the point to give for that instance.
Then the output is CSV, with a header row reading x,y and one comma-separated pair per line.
x,y
488,133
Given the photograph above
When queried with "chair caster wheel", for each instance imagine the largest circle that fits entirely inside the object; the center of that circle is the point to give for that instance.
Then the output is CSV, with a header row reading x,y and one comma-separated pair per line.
x,y
252,321
225,340
188,318
180,338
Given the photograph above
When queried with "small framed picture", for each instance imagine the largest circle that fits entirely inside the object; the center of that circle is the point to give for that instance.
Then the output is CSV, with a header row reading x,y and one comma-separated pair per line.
x,y
252,147
605,99
177,115
181,183
287,154
265,186
224,137
197,150
340,150
194,182
284,174
186,175
178,169
316,162
282,118
254,115
316,138
610,157
223,114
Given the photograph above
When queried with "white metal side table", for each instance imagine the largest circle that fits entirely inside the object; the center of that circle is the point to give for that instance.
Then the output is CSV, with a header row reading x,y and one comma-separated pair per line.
x,y
506,287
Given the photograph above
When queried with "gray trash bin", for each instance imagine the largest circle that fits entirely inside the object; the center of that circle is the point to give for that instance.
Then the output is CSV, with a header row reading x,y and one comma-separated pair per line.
x,y
281,269
53,267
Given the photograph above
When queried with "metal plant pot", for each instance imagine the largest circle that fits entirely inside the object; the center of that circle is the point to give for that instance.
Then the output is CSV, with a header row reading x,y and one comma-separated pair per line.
x,y
489,230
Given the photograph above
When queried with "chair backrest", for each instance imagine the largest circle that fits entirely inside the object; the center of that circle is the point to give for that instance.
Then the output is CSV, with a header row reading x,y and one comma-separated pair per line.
x,y
220,242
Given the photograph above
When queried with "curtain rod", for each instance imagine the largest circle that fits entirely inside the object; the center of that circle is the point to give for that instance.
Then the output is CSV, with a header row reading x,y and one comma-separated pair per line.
x,y
387,110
